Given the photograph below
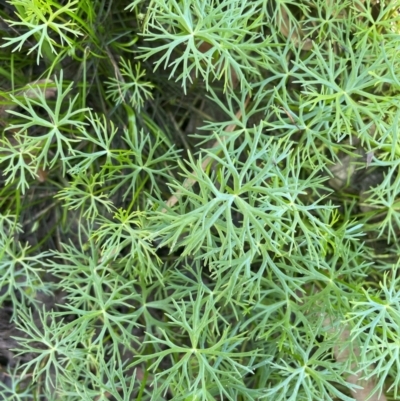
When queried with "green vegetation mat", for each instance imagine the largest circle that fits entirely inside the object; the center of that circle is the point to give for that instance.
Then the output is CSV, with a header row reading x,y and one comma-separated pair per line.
x,y
199,200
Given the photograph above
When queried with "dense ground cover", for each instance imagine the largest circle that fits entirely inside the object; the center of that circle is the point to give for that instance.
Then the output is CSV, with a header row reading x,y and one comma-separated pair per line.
x,y
199,200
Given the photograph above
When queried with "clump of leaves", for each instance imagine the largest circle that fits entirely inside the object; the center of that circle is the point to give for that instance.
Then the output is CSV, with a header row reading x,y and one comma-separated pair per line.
x,y
199,200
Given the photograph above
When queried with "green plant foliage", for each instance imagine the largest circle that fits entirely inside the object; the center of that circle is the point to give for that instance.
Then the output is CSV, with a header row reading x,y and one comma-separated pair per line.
x,y
130,86
199,200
